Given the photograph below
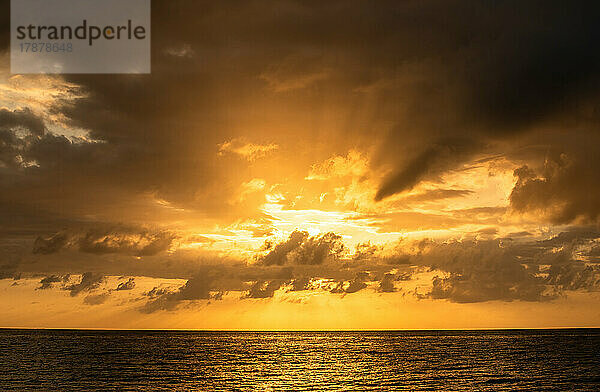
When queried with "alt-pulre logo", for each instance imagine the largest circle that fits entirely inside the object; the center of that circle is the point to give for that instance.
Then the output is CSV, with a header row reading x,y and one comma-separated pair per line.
x,y
80,36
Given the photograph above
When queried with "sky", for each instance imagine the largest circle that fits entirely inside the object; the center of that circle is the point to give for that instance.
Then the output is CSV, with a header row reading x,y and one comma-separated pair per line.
x,y
312,165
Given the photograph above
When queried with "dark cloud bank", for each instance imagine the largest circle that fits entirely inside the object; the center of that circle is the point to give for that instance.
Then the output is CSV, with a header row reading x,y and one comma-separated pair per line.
x,y
454,79
468,271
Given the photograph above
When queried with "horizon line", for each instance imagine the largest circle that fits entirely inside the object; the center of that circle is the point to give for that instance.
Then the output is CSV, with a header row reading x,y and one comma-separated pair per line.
x,y
290,330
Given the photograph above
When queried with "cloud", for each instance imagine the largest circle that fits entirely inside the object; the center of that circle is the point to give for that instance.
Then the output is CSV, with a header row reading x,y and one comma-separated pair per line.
x,y
505,270
51,244
184,50
262,289
20,129
9,269
251,187
564,190
291,263
433,161
300,248
198,287
97,299
125,240
480,288
48,281
139,244
464,80
487,83
158,291
300,284
295,72
317,250
279,254
129,285
89,281
22,118
475,270
436,194
248,151
354,164
386,285
354,286
246,96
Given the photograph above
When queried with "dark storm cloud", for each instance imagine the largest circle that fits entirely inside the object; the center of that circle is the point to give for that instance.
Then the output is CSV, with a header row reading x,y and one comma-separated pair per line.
x,y
14,143
10,265
506,69
433,161
480,72
566,189
21,118
43,190
51,244
467,61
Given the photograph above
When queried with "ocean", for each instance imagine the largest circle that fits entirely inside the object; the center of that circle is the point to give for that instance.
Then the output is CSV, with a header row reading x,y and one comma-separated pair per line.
x,y
506,360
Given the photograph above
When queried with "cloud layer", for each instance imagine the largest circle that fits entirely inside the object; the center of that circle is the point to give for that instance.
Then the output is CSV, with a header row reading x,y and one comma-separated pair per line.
x,y
445,150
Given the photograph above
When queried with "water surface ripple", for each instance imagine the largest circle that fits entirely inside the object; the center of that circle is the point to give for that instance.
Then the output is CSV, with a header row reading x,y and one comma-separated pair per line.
x,y
515,360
